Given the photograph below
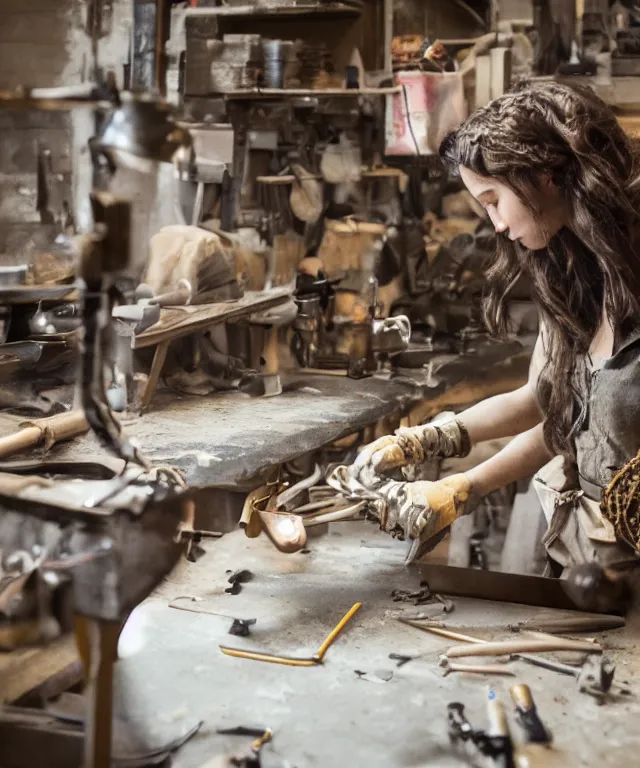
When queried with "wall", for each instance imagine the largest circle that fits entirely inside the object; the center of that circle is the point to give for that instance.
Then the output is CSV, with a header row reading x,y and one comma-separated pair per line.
x,y
43,44
516,9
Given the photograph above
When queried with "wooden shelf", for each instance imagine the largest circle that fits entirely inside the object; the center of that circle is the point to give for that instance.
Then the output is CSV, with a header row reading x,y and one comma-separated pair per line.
x,y
293,93
373,173
280,11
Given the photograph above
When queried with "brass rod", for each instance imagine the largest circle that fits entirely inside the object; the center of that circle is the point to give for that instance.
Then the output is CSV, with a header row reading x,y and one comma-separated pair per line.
x,y
334,634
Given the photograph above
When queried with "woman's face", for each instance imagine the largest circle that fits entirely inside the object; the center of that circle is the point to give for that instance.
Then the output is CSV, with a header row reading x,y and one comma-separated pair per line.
x,y
510,216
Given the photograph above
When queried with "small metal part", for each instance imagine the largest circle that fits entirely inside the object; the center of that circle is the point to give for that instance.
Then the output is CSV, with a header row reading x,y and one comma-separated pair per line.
x,y
596,677
241,627
237,579
401,658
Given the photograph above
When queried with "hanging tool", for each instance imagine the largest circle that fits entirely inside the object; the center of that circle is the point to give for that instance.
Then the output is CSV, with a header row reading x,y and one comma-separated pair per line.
x,y
527,715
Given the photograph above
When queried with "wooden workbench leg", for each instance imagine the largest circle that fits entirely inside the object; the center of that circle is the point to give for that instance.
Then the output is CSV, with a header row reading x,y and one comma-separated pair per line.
x,y
154,374
99,693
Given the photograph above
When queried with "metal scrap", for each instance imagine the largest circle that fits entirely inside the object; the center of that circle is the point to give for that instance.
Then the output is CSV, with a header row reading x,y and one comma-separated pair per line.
x,y
401,658
237,579
418,597
241,627
596,677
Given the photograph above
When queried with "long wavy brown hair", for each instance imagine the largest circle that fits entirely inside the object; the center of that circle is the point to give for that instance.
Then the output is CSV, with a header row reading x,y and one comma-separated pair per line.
x,y
591,265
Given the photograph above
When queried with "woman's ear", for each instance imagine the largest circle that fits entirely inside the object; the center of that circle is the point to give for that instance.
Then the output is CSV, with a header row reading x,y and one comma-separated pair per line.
x,y
547,182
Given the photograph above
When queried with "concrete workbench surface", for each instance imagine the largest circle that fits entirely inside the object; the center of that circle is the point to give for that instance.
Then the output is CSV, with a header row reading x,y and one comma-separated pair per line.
x,y
173,674
227,439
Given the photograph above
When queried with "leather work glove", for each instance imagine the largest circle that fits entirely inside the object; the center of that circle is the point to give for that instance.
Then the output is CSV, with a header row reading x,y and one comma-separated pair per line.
x,y
423,509
420,512
445,437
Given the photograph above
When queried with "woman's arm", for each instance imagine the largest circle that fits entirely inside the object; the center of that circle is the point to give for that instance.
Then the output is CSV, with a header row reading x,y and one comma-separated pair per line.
x,y
524,456
502,415
512,413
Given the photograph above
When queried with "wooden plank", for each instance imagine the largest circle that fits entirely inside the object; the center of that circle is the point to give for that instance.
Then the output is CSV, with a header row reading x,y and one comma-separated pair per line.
x,y
176,322
630,124
28,670
283,93
280,12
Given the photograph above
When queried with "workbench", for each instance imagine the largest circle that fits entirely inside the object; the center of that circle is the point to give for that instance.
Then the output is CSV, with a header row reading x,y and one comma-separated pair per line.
x,y
229,440
173,673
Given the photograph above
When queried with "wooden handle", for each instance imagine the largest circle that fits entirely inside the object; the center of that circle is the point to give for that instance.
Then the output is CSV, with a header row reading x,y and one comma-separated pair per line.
x,y
522,697
520,646
286,531
270,353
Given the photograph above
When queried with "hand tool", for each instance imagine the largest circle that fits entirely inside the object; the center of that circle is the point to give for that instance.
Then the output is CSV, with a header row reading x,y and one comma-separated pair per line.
x,y
537,661
520,646
293,661
498,733
495,742
596,677
481,669
527,714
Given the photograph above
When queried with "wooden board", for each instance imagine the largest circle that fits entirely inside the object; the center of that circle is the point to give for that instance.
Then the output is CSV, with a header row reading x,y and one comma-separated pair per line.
x,y
47,671
176,322
284,93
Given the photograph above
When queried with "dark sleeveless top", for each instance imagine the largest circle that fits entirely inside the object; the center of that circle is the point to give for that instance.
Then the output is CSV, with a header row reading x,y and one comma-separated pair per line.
x,y
607,433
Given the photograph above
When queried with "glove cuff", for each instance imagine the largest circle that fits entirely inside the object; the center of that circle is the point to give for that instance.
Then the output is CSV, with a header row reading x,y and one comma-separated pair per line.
x,y
451,438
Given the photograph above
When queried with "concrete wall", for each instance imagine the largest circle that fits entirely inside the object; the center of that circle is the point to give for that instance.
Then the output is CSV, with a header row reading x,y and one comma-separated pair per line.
x,y
43,44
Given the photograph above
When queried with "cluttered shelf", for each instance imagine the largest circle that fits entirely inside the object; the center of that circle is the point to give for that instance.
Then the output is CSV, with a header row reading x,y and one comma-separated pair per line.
x,y
279,12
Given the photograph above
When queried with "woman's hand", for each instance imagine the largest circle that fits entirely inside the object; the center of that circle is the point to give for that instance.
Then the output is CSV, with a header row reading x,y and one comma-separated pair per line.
x,y
445,437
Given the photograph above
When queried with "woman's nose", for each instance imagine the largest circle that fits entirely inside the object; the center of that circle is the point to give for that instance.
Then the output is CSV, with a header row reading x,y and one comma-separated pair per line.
x,y
498,224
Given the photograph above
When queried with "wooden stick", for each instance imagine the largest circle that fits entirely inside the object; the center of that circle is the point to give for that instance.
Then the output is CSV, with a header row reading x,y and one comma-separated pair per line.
x,y
521,646
443,632
50,430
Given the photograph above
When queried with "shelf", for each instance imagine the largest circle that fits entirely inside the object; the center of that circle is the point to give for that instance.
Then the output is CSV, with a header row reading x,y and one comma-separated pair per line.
x,y
293,93
373,173
281,11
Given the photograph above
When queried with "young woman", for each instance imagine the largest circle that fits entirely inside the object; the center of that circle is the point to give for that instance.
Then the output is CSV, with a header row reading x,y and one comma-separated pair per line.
x,y
558,178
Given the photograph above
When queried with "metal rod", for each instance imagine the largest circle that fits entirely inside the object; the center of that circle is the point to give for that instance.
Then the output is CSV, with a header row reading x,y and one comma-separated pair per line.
x,y
255,656
334,634
161,36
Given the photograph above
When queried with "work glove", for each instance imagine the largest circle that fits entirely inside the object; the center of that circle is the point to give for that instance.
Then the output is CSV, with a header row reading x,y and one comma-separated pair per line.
x,y
444,438
420,512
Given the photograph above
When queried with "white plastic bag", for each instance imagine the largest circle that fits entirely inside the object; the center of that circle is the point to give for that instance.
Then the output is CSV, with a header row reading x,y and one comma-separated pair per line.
x,y
429,105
